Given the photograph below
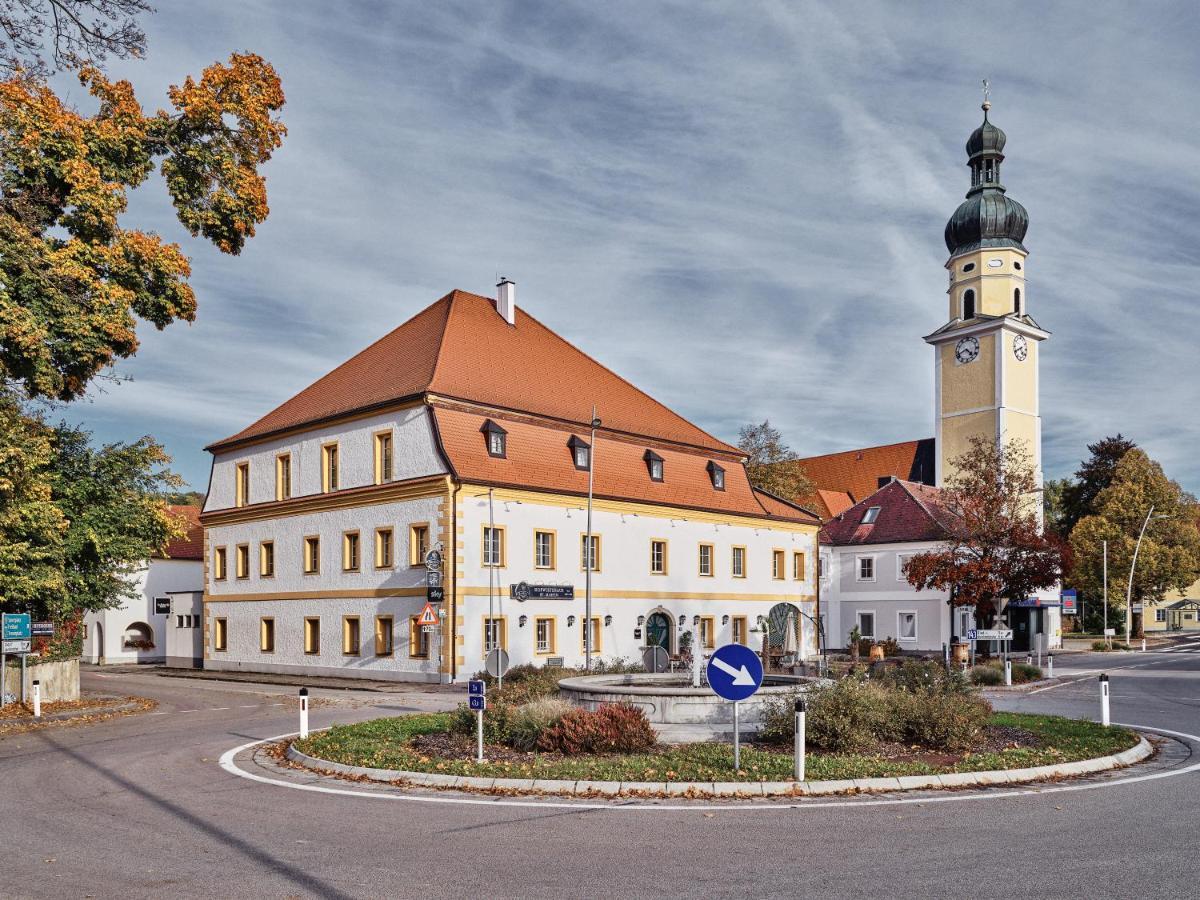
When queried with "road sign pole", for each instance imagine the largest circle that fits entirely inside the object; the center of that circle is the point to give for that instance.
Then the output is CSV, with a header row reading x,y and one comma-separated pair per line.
x,y
1104,719
737,739
23,679
303,713
37,699
800,738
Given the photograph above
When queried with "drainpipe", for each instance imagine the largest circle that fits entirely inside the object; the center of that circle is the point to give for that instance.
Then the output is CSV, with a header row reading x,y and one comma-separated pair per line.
x,y
453,573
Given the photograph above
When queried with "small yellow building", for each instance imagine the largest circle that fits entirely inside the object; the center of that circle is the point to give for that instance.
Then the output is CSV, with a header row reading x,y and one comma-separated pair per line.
x,y
1178,611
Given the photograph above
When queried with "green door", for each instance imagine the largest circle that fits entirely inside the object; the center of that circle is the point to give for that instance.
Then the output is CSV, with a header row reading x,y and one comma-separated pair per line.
x,y
658,632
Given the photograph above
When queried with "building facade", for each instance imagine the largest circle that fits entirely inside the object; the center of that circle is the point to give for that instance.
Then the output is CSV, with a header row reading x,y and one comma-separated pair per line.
x,y
468,430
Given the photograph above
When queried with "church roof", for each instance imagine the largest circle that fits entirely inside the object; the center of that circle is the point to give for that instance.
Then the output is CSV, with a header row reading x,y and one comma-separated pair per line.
x,y
988,217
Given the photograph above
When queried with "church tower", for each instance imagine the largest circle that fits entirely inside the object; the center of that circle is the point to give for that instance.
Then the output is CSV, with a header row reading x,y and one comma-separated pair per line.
x,y
986,355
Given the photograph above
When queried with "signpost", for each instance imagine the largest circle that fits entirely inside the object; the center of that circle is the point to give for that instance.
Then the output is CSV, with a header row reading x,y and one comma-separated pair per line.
x,y
524,591
735,673
655,659
16,627
15,634
477,700
1070,601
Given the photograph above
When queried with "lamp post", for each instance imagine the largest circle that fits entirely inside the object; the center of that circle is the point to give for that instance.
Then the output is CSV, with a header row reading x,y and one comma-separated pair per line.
x,y
1129,589
588,557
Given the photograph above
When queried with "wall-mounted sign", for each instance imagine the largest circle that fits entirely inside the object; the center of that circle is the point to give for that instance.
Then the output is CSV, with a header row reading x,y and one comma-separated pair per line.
x,y
42,629
433,560
525,591
162,606
435,594
433,578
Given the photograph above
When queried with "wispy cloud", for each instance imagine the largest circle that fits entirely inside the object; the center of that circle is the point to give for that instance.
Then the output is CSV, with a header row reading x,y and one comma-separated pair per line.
x,y
737,206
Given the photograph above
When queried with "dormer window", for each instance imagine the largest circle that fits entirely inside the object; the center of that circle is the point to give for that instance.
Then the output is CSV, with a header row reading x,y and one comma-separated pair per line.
x,y
871,515
654,464
496,438
717,474
581,453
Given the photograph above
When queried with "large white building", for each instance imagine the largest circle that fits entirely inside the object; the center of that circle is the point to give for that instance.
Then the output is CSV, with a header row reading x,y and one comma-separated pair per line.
x,y
469,428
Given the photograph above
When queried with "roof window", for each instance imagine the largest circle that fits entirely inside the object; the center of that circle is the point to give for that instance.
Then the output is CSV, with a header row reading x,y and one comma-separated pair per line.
x,y
654,464
717,474
871,515
581,452
496,439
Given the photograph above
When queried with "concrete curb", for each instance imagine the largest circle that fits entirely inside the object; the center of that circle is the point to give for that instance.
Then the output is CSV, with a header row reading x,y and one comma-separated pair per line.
x,y
73,714
708,789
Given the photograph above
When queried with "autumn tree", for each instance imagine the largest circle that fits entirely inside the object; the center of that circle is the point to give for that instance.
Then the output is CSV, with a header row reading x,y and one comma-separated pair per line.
x,y
1169,557
995,550
771,464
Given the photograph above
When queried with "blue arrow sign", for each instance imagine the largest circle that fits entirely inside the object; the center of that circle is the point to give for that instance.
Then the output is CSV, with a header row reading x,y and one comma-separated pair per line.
x,y
734,672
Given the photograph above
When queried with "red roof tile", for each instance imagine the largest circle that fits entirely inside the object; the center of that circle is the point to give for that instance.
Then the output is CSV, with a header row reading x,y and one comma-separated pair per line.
x,y
907,512
460,347
191,546
857,473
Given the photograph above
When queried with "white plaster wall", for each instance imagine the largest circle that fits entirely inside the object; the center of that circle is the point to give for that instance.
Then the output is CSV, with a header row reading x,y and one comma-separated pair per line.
x,y
185,642
158,579
414,455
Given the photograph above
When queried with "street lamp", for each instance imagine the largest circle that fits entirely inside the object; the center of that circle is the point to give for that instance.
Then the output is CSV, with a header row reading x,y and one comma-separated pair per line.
x,y
1129,589
588,557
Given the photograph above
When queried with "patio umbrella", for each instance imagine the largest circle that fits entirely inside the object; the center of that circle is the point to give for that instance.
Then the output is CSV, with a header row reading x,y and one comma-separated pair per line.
x,y
789,636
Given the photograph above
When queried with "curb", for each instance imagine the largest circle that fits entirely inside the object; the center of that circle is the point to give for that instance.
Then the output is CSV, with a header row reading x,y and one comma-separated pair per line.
x,y
708,789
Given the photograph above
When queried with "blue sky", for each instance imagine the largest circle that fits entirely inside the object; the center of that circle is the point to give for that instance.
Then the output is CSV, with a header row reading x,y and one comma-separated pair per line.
x,y
738,206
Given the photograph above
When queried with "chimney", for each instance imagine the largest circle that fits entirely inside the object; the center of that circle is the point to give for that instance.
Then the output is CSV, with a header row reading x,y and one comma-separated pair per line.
x,y
506,300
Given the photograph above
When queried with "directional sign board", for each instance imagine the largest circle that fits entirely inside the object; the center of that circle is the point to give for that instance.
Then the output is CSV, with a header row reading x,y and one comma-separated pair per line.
x,y
992,634
43,629
16,646
16,627
734,672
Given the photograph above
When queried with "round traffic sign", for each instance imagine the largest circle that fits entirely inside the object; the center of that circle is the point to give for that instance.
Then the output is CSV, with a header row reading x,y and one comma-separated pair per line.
x,y
655,659
734,672
496,663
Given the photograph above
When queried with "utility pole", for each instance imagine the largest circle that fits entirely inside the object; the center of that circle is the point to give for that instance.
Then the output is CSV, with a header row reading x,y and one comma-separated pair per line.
x,y
1132,566
588,556
1105,545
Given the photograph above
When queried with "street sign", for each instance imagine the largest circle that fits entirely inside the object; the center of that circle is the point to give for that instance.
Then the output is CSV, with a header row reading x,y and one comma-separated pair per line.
x,y
496,663
16,646
1135,607
429,629
435,594
655,659
433,560
525,591
16,627
477,703
1070,602
992,634
734,672
433,578
476,687
42,629
973,635
1110,632
162,606
428,616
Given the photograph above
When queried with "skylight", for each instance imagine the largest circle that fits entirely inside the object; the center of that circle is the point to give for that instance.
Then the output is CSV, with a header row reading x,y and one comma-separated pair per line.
x,y
871,515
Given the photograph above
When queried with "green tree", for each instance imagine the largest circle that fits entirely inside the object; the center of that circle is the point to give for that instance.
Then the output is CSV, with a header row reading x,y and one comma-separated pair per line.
x,y
1078,497
771,464
1169,557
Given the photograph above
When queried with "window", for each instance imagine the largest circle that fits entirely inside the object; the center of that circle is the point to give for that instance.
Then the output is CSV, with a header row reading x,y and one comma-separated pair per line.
x,y
654,464
799,569
740,632
738,562
385,548
593,632
266,559
350,552
178,622
866,568
494,634
658,557
242,561
242,484
493,545
871,515
383,635
220,564
496,439
1160,615
777,564
543,550
1017,301
708,632
283,476
581,452
329,468
901,560
418,544
351,637
418,640
266,635
312,555
383,457
866,625
589,560
906,626
969,267
717,475
543,634
312,635
706,559
220,635
968,304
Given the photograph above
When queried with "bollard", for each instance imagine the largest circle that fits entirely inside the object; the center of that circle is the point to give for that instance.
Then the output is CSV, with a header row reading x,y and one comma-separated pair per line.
x,y
1008,672
1143,645
303,713
1050,665
1104,720
37,699
800,738
1029,659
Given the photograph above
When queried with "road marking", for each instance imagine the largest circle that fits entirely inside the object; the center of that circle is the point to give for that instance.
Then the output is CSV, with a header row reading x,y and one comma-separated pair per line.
x,y
249,706
219,708
227,763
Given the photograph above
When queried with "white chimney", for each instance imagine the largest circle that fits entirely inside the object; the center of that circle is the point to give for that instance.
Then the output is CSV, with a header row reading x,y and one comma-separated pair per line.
x,y
506,300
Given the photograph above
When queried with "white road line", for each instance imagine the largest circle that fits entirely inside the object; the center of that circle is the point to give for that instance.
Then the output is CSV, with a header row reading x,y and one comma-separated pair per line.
x,y
249,706
219,708
227,763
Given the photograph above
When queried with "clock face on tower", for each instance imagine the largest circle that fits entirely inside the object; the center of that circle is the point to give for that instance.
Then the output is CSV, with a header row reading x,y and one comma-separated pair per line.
x,y
1020,347
966,350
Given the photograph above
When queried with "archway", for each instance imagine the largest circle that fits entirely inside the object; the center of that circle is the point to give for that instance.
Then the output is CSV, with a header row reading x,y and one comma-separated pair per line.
x,y
138,636
99,638
778,619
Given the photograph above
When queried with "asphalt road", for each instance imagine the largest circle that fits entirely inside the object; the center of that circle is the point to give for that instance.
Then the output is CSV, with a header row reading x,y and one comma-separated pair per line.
x,y
138,807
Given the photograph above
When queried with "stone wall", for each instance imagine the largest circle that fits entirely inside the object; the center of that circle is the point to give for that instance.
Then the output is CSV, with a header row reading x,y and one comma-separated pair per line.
x,y
60,680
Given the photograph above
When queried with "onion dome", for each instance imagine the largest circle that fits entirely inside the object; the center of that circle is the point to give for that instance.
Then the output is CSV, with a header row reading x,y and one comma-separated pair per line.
x,y
988,217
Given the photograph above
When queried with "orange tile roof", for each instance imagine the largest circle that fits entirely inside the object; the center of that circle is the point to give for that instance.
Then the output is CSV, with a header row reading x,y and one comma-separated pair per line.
x,y
832,503
856,473
538,458
191,546
460,347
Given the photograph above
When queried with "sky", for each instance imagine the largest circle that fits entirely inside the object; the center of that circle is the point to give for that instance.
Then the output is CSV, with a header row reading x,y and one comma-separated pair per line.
x,y
738,206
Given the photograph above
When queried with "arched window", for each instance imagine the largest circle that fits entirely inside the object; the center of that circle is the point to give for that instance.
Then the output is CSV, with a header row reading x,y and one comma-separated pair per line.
x,y
1017,301
968,304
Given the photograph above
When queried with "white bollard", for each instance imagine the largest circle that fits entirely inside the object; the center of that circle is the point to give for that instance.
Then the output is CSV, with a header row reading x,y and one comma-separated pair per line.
x,y
1143,645
800,738
303,713
37,699
1008,672
1050,665
1104,719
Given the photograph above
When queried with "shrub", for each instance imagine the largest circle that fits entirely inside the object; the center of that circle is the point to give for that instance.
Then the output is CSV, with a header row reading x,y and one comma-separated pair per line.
x,y
495,721
779,717
527,722
943,721
891,647
846,716
1100,646
1023,672
922,675
613,728
864,646
986,675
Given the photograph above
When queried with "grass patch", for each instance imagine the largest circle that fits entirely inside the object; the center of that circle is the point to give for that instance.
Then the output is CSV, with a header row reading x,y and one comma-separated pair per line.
x,y
386,744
